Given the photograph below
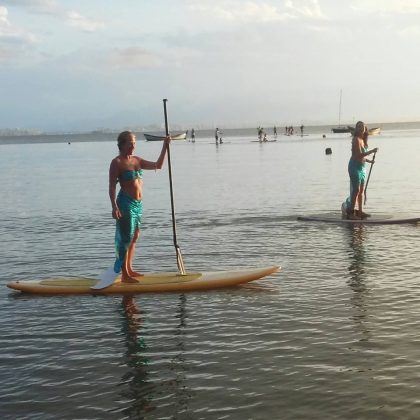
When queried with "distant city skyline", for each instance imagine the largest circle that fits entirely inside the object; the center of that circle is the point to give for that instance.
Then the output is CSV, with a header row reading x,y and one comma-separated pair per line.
x,y
72,65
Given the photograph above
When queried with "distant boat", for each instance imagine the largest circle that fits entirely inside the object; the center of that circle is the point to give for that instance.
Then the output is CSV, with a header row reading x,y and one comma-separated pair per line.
x,y
374,131
151,137
371,131
340,128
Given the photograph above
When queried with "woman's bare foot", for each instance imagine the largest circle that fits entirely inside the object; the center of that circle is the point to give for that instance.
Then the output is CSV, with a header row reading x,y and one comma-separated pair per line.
x,y
135,274
128,279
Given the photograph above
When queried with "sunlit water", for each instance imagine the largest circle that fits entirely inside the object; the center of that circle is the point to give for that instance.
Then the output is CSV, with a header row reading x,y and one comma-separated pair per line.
x,y
335,334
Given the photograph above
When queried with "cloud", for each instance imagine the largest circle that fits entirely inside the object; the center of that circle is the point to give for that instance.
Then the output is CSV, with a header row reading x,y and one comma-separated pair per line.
x,y
305,8
10,33
75,19
13,41
55,10
389,7
410,33
133,57
257,12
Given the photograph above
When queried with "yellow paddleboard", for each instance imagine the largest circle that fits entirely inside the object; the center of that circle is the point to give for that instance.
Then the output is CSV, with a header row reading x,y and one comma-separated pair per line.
x,y
158,282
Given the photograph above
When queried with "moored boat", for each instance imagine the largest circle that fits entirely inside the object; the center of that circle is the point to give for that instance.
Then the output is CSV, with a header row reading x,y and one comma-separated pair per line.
x,y
151,137
374,131
339,130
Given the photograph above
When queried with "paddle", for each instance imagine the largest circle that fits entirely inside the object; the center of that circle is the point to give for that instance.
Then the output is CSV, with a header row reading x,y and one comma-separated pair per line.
x,y
179,260
370,170
106,279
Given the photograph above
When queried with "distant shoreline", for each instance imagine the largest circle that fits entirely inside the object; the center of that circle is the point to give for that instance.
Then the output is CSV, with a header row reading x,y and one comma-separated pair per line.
x,y
13,133
105,136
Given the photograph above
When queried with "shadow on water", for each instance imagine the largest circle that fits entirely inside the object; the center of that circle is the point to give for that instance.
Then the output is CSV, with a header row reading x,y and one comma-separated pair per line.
x,y
142,388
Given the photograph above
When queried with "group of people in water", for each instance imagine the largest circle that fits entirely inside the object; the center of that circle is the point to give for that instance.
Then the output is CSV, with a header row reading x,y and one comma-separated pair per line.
x,y
288,131
127,207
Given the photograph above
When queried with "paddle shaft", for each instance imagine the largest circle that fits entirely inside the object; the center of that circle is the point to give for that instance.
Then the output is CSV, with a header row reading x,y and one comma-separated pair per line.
x,y
179,260
370,170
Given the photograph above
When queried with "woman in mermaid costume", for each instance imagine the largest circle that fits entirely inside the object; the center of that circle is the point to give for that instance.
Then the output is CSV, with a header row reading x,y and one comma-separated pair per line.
x,y
127,207
357,172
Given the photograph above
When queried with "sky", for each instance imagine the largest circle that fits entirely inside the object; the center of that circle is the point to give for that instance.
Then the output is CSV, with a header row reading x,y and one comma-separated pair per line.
x,y
90,64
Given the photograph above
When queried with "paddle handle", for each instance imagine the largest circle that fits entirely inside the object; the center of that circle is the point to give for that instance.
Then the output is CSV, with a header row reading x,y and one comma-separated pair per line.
x,y
179,261
370,170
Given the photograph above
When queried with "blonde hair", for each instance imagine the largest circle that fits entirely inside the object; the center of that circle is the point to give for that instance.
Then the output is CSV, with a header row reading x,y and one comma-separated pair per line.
x,y
357,128
123,137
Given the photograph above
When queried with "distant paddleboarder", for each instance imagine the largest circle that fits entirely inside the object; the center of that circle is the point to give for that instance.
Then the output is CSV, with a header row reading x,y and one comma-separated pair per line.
x,y
357,172
260,131
127,207
216,135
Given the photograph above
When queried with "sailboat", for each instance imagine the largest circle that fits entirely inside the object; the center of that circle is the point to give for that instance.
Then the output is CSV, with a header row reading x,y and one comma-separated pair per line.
x,y
340,128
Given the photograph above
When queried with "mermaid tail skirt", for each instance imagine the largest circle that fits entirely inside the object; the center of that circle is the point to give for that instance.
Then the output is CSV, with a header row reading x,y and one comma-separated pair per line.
x,y
131,213
357,173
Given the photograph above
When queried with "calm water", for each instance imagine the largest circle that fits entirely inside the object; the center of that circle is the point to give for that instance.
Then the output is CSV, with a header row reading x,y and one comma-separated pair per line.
x,y
334,335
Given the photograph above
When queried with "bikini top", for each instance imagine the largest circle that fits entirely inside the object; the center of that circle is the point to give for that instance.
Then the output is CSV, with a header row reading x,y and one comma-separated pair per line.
x,y
131,175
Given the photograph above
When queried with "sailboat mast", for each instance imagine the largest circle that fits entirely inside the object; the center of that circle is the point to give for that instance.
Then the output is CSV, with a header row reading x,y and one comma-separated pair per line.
x,y
339,111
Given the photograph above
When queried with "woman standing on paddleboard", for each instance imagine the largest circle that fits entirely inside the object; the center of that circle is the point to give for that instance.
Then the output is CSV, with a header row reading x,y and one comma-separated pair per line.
x,y
127,207
357,171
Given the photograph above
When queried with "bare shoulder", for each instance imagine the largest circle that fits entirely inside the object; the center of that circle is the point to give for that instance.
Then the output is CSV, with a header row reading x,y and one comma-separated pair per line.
x,y
115,162
139,160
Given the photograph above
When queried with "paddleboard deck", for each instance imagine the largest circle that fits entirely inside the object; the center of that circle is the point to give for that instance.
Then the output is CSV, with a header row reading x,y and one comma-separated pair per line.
x,y
156,282
379,219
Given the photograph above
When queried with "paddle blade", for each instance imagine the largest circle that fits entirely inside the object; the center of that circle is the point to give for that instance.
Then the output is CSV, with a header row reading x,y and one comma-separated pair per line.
x,y
106,279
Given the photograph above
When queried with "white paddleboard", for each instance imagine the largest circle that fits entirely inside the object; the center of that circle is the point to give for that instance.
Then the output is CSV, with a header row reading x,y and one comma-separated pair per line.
x,y
378,219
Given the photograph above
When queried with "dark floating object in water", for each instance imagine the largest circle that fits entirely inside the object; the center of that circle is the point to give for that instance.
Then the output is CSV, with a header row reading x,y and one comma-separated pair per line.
x,y
324,136
328,151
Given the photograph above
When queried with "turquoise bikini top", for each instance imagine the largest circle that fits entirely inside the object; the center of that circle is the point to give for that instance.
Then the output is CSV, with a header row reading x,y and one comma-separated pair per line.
x,y
131,175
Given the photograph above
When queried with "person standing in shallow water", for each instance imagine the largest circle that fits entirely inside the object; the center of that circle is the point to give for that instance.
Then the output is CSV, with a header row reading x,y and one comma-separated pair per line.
x,y
357,171
127,207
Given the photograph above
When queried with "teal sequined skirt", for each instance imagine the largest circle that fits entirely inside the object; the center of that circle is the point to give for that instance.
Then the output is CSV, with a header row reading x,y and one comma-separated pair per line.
x,y
357,173
131,213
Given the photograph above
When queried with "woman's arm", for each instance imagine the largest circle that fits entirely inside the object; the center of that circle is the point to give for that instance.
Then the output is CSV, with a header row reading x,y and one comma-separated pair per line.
x,y
369,152
146,164
113,178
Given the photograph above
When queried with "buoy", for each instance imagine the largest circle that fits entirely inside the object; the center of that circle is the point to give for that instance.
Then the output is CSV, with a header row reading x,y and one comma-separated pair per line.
x,y
328,151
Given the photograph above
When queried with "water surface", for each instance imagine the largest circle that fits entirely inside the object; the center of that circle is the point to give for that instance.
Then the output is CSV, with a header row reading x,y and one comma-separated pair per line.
x,y
334,335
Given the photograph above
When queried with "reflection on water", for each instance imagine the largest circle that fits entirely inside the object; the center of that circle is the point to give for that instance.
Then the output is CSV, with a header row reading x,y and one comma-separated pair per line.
x,y
357,264
146,380
179,361
136,380
357,278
